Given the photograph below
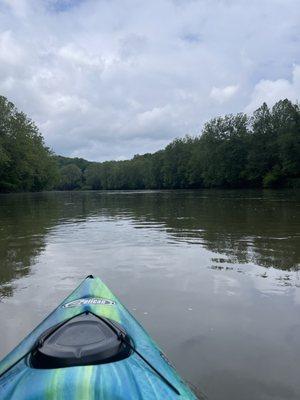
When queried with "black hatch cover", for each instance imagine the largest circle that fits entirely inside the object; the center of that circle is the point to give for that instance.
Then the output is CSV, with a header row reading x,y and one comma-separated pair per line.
x,y
83,340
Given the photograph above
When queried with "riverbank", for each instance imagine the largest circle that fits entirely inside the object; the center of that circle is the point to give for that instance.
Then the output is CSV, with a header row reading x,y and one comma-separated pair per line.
x,y
235,151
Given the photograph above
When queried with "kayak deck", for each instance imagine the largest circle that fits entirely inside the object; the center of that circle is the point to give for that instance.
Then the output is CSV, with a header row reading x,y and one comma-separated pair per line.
x,y
129,378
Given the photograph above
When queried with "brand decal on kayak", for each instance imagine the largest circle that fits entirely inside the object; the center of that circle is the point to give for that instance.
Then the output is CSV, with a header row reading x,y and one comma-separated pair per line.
x,y
89,301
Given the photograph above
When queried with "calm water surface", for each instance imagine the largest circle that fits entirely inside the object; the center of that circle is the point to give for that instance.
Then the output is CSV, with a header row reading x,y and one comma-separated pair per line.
x,y
212,275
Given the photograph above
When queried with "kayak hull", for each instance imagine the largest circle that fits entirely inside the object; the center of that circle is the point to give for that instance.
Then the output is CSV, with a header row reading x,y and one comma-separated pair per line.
x,y
130,378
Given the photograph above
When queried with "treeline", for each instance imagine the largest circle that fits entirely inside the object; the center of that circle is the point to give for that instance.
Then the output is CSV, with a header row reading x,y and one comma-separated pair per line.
x,y
26,164
234,151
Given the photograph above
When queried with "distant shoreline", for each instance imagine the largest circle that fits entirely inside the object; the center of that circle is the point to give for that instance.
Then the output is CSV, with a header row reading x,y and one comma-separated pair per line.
x,y
233,152
218,189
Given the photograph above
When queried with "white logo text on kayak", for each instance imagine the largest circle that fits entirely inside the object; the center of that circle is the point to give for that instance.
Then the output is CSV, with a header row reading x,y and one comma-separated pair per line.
x,y
89,301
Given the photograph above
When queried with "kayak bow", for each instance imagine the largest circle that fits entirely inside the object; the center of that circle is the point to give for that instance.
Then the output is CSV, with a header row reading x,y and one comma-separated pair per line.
x,y
90,347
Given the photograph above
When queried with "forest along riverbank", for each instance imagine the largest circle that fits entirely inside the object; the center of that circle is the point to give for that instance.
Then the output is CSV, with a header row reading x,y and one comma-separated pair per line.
x,y
235,151
219,268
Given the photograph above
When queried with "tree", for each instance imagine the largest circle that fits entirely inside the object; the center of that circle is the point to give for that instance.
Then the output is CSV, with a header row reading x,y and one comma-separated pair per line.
x,y
71,177
26,164
176,163
223,151
93,177
286,123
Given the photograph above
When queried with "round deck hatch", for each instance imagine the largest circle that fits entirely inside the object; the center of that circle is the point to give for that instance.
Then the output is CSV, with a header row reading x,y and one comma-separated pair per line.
x,y
83,340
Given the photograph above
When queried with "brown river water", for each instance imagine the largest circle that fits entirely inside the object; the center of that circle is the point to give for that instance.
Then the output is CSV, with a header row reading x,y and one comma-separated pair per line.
x,y
212,275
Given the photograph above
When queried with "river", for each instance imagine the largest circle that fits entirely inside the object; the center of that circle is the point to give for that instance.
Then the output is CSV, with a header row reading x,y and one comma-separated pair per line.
x,y
211,274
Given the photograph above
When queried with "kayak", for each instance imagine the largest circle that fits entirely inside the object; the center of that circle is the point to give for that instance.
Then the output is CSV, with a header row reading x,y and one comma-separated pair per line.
x,y
90,347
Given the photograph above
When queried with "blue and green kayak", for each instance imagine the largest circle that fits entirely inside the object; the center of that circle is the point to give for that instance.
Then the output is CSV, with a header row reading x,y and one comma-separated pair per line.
x,y
90,347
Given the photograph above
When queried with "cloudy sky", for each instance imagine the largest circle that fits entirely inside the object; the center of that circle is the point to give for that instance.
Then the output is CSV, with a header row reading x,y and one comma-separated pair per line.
x,y
107,79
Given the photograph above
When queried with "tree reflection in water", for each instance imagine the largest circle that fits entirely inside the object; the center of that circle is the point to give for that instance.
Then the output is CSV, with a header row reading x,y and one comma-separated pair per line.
x,y
240,227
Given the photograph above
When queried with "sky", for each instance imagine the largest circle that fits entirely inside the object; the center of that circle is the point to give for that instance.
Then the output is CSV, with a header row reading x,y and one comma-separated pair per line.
x,y
108,79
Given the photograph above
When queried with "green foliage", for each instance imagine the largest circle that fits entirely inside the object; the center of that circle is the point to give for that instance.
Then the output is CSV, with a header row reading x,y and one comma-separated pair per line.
x,y
26,164
273,178
79,162
223,151
93,177
70,177
262,150
176,163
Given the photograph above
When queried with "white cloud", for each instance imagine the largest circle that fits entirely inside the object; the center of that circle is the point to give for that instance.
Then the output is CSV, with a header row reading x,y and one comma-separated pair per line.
x,y
271,91
224,94
79,57
111,79
10,52
19,7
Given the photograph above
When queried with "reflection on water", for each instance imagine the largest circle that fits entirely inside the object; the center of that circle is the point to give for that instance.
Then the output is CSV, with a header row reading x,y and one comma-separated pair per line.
x,y
241,227
24,222
219,268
